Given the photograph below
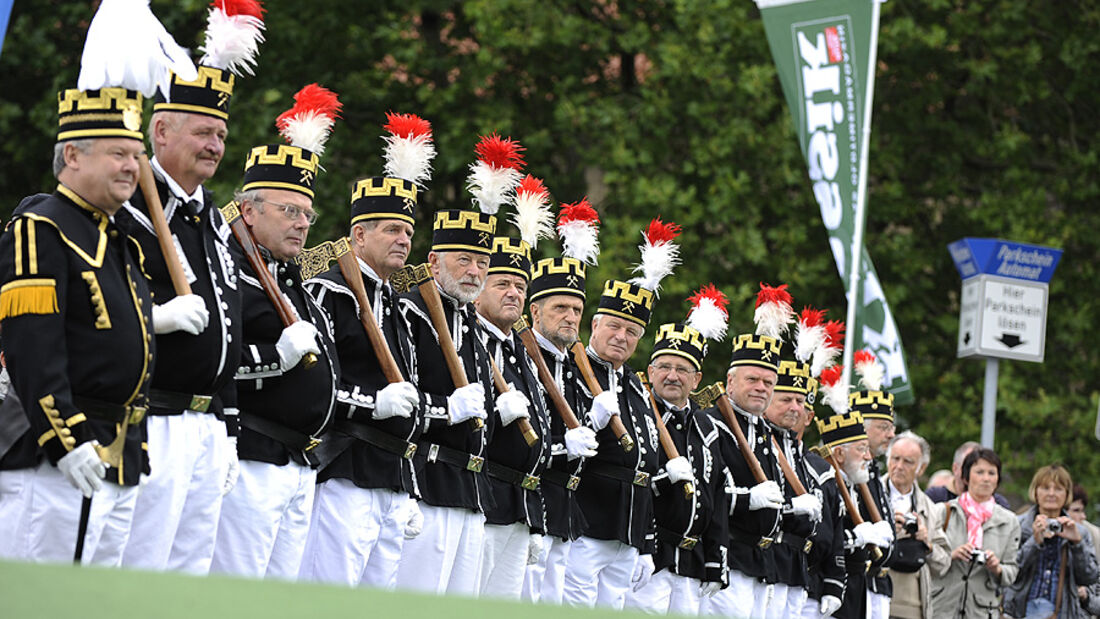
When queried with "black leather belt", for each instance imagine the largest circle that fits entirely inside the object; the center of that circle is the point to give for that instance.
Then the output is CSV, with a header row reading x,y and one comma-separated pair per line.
x,y
562,480
377,438
618,473
454,457
796,541
752,540
292,439
512,476
683,542
172,403
105,411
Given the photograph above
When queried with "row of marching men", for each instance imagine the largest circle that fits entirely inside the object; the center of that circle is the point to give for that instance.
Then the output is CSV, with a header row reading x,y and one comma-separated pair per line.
x,y
190,401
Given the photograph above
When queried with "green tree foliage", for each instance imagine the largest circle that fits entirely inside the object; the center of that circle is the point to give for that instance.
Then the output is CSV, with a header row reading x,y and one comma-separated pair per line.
x,y
985,124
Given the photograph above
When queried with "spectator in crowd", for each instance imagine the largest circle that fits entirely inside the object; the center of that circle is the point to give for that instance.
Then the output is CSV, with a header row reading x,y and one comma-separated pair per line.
x,y
944,493
1076,511
941,477
1056,555
982,538
907,457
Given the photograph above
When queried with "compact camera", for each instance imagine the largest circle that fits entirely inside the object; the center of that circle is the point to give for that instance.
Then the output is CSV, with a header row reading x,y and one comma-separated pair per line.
x,y
977,555
910,524
1054,526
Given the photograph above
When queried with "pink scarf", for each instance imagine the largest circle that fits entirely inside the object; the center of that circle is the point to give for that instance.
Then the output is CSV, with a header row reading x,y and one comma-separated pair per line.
x,y
976,515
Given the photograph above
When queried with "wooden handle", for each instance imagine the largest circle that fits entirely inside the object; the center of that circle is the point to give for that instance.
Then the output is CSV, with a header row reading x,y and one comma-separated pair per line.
x,y
788,470
849,504
666,442
160,225
431,298
568,417
244,236
747,453
580,355
872,508
524,424
349,267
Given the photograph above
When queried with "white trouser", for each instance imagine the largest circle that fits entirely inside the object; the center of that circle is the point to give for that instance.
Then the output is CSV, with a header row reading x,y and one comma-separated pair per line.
x,y
598,572
40,515
356,535
446,556
878,606
534,573
177,511
811,609
786,602
735,601
544,580
264,521
504,559
667,593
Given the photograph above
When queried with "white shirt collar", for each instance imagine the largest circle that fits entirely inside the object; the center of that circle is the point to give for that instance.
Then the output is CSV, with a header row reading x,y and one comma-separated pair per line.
x,y
175,187
366,269
549,346
491,329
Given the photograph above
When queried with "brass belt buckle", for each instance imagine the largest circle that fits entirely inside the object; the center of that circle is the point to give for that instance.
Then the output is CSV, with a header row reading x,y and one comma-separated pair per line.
x,y
200,403
765,542
573,483
410,451
688,542
475,463
313,442
807,546
137,413
641,478
530,482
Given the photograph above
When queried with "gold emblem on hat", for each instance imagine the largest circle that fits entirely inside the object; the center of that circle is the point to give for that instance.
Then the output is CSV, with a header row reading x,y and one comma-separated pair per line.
x,y
409,204
131,117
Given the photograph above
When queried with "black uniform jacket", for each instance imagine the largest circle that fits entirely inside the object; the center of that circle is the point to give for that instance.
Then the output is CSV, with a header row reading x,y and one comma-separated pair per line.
x,y
77,325
381,462
282,412
563,514
449,460
798,531
825,562
515,502
616,508
693,533
878,580
202,364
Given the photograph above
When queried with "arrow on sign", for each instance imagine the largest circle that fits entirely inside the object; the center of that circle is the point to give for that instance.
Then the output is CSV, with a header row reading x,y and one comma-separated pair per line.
x,y
1010,340
966,338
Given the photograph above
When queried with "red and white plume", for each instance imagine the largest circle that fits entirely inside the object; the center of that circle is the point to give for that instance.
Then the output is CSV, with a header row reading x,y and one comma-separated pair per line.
x,y
409,148
833,389
309,123
869,370
774,313
708,313
234,31
127,47
533,217
496,172
579,230
659,254
830,348
810,334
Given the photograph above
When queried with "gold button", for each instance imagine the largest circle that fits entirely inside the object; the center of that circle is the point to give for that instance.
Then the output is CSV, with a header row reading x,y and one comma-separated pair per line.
x,y
70,442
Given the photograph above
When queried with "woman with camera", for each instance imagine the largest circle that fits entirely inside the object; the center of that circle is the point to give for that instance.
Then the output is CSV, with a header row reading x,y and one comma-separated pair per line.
x,y
982,538
1056,556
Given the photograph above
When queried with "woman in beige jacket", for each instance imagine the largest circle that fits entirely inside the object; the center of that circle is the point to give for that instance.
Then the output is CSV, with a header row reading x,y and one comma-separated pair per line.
x,y
982,538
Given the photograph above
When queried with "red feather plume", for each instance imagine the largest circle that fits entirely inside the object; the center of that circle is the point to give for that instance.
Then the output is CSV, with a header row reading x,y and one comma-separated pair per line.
x,y
581,211
834,333
830,376
863,356
659,232
710,291
811,317
251,8
312,98
770,294
532,185
498,152
407,125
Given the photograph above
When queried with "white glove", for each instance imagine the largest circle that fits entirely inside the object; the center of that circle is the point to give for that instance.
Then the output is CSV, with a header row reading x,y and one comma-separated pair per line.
x,y
415,524
296,340
865,533
466,403
186,313
709,588
829,605
679,469
512,405
885,532
580,442
396,400
233,467
603,407
807,505
643,571
83,468
765,495
534,548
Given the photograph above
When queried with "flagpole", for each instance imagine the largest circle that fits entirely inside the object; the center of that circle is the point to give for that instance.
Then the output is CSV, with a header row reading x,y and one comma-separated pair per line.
x,y
854,280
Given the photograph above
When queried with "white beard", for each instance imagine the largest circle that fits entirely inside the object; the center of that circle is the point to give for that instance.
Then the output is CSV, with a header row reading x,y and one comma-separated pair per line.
x,y
858,476
451,286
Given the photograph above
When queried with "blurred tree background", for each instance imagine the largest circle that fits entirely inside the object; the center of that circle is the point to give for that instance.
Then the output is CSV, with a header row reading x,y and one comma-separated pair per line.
x,y
985,124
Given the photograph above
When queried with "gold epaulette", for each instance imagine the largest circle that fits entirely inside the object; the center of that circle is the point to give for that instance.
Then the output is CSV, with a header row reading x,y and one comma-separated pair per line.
x,y
28,296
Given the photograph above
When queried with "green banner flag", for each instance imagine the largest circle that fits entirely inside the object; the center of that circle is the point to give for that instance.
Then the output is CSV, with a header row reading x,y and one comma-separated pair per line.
x,y
824,53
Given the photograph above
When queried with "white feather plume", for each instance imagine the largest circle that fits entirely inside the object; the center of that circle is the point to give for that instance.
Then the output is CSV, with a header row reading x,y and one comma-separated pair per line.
x,y
709,320
773,319
870,374
491,186
823,357
310,131
533,217
807,340
836,396
410,158
232,42
658,261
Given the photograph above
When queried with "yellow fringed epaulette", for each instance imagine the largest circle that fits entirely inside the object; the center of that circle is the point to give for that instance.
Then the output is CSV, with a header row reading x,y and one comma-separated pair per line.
x,y
28,296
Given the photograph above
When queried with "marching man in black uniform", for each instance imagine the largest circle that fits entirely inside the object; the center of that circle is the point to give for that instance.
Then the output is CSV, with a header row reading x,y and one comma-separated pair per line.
x,y
615,553
557,296
192,402
363,504
71,289
286,382
692,533
447,555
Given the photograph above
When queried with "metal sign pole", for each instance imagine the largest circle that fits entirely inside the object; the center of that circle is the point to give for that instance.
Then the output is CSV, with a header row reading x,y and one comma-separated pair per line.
x,y
989,401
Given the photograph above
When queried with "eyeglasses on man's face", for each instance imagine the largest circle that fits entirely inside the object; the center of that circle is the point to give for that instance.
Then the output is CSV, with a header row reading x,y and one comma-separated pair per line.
x,y
293,211
668,368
